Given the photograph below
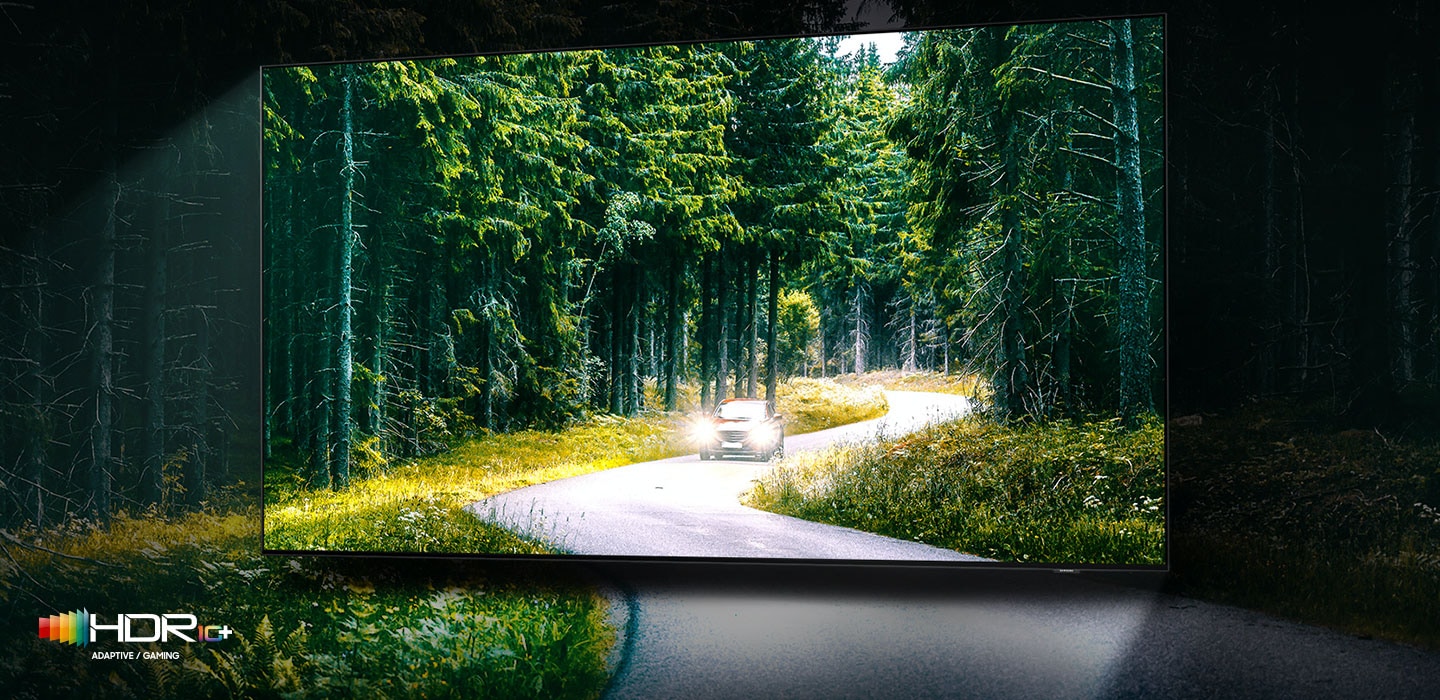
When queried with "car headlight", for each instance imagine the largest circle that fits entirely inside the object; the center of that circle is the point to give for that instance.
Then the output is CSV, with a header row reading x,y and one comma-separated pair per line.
x,y
703,431
763,435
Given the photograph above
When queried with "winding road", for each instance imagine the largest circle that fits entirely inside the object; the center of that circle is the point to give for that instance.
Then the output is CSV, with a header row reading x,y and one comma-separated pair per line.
x,y
702,631
683,507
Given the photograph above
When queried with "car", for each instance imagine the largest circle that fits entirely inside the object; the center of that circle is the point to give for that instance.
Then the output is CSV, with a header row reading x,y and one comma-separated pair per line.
x,y
741,428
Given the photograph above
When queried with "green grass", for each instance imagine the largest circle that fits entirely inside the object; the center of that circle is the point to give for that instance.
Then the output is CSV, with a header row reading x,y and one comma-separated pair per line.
x,y
1278,508
816,404
304,627
1058,493
419,506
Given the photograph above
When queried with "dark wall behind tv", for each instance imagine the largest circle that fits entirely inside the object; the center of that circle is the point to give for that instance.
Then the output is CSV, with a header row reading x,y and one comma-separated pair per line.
x,y
1303,207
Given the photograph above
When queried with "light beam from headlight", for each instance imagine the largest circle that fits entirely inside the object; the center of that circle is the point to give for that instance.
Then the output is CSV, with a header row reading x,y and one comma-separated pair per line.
x,y
703,431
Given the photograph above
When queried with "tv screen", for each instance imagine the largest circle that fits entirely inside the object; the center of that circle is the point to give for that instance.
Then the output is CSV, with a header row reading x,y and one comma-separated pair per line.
x,y
877,298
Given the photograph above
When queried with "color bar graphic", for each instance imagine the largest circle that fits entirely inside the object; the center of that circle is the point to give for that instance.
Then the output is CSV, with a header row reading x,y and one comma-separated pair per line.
x,y
70,628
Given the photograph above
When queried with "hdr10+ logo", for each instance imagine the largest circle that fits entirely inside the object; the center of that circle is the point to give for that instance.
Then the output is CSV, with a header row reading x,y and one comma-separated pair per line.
x,y
81,627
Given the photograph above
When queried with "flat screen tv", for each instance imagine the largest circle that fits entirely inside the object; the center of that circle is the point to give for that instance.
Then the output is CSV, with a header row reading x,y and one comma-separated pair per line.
x,y
892,297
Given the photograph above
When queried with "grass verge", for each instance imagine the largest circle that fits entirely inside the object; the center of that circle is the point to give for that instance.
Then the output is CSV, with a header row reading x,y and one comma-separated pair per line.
x,y
1278,508
420,506
896,380
303,627
1060,493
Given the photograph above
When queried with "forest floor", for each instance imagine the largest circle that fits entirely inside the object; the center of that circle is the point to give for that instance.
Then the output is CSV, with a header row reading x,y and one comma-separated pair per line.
x,y
1278,507
1060,493
343,628
420,506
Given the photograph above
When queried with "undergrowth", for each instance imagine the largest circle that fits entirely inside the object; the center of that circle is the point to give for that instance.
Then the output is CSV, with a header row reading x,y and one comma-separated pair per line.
x,y
420,506
1057,493
897,380
1279,508
302,627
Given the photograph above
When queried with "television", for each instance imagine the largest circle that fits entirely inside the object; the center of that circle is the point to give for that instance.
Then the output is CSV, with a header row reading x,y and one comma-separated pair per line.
x,y
883,298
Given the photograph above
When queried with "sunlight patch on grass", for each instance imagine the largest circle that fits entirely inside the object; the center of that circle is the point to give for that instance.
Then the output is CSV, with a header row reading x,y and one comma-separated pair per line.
x,y
420,506
969,385
1059,493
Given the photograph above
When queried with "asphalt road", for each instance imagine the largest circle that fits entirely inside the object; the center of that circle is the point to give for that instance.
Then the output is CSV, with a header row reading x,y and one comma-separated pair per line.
x,y
683,507
739,631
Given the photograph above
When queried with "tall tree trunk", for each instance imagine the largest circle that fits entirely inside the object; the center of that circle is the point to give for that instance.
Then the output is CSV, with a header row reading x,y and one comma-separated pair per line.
x,y
1299,339
752,286
672,339
1133,313
1268,361
152,480
824,358
33,348
296,378
862,328
195,476
488,343
707,332
633,385
345,342
1401,90
1430,135
102,456
375,415
319,391
912,339
722,330
772,311
1011,379
1064,331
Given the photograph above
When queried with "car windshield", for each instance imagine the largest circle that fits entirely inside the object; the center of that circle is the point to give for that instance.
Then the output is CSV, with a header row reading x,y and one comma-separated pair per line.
x,y
742,410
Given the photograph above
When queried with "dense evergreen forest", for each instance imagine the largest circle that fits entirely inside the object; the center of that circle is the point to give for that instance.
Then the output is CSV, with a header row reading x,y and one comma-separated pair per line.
x,y
513,241
1301,253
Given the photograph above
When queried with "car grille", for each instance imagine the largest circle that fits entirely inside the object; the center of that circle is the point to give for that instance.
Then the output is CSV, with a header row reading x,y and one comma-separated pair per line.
x,y
734,435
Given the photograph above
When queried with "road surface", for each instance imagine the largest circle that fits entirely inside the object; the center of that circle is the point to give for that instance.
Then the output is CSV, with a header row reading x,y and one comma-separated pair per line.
x,y
741,631
683,507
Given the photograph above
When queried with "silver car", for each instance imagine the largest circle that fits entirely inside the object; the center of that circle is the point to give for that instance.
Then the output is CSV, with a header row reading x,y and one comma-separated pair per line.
x,y
741,428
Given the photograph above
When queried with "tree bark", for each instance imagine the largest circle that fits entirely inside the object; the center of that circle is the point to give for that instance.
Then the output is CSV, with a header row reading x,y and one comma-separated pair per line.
x,y
861,330
772,310
707,332
722,327
152,479
195,476
672,339
101,465
33,349
344,348
752,377
634,387
1401,93
1133,313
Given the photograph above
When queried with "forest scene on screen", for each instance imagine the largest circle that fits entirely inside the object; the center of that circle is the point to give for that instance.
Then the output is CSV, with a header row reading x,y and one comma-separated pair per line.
x,y
484,273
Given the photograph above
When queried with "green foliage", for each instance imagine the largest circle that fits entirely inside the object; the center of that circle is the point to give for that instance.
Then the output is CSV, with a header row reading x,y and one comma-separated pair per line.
x,y
1056,493
798,325
1013,208
304,628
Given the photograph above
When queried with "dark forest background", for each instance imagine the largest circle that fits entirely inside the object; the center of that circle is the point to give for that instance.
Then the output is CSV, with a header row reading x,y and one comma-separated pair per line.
x,y
1303,190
